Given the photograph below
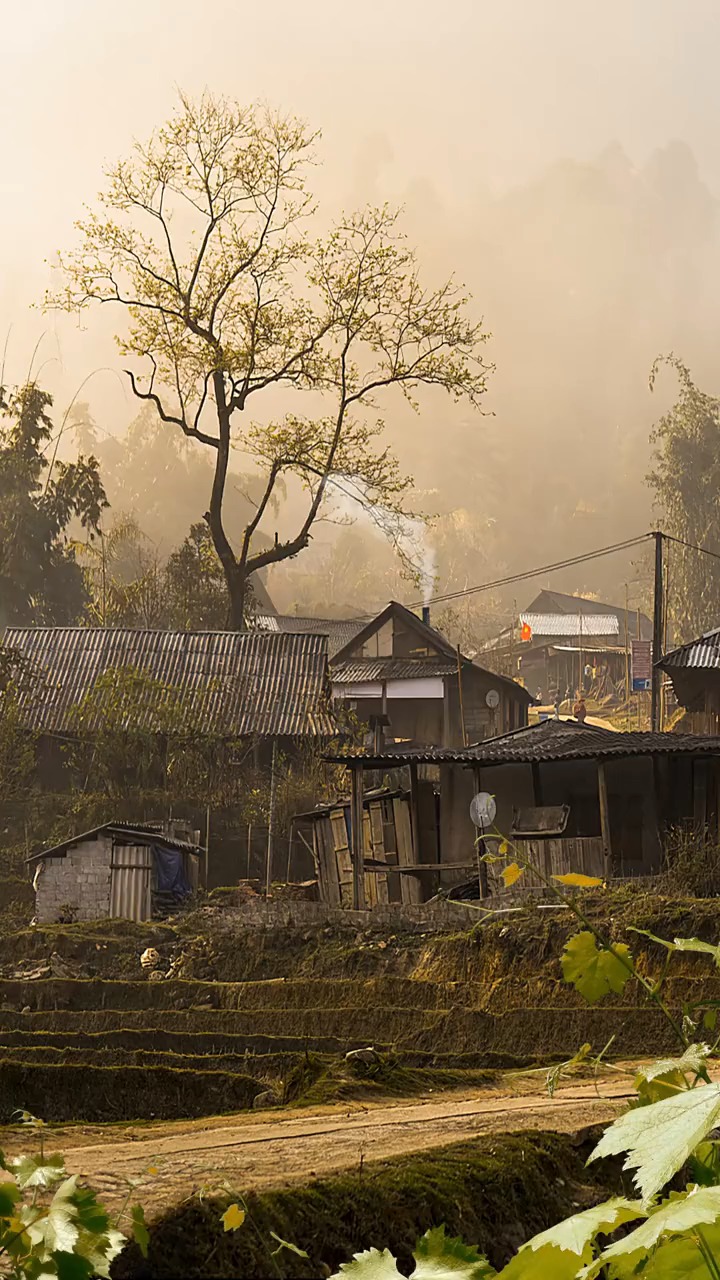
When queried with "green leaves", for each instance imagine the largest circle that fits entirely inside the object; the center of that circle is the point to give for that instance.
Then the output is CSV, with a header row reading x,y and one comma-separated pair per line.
x,y
68,1237
564,1249
38,1171
593,971
9,1196
660,1137
441,1257
668,1076
678,1214
285,1244
437,1257
141,1234
371,1264
682,944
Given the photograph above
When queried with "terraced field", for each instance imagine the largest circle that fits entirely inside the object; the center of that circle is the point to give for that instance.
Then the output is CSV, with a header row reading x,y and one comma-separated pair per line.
x,y
242,1010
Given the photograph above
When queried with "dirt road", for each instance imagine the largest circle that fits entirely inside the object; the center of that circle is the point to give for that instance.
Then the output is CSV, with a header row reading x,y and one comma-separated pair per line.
x,y
275,1148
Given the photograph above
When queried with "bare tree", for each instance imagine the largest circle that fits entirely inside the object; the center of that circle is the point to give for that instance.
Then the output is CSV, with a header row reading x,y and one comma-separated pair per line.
x,y
202,236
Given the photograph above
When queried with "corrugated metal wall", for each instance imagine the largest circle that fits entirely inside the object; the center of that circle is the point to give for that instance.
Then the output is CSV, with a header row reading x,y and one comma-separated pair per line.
x,y
131,882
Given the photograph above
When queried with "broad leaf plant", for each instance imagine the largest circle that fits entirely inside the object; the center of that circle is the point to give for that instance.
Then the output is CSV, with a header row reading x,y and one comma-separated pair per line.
x,y
667,1136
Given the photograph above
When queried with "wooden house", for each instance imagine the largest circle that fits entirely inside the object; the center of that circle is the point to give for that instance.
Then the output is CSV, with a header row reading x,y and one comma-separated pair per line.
x,y
387,844
557,636
400,674
572,797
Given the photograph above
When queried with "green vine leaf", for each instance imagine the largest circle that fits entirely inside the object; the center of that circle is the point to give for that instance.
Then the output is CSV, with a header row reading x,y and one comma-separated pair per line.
x,y
679,1214
561,1251
287,1244
697,944
9,1196
668,1076
592,970
39,1171
441,1257
371,1264
58,1229
659,1138
437,1257
141,1234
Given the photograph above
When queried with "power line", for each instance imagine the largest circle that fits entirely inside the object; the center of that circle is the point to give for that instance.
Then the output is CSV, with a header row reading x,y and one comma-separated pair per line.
x,y
692,546
548,568
534,573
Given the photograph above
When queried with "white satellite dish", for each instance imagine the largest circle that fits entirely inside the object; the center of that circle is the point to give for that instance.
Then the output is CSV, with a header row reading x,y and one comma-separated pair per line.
x,y
483,809
492,698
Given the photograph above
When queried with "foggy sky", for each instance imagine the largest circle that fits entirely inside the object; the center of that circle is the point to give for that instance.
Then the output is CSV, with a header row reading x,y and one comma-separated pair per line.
x,y
470,95
448,107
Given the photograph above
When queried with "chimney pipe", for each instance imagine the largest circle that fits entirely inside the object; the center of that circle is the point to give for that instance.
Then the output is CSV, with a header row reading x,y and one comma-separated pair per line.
x,y
426,614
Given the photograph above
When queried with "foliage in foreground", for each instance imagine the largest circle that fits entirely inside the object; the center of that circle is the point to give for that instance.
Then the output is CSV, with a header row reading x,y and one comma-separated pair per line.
x,y
52,1226
669,1130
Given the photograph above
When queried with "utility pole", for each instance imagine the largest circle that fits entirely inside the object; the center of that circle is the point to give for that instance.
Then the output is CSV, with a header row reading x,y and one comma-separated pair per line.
x,y
657,641
627,655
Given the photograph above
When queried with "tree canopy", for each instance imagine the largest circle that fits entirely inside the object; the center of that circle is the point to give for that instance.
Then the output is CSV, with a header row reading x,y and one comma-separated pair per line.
x,y
686,483
40,578
203,239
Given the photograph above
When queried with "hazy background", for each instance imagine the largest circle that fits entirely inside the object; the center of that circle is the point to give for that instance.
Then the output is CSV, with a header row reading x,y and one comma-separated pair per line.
x,y
561,157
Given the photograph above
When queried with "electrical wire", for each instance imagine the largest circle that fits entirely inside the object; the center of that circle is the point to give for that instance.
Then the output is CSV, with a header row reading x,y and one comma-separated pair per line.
x,y
529,573
692,546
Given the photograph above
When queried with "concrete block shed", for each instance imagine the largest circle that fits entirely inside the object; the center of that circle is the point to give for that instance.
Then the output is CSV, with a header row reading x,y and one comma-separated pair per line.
x,y
117,870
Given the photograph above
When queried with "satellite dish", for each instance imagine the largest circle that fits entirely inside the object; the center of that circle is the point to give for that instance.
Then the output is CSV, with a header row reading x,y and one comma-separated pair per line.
x,y
483,809
492,698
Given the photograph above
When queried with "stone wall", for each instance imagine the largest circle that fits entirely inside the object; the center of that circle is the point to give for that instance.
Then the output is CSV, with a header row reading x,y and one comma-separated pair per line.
x,y
79,880
436,917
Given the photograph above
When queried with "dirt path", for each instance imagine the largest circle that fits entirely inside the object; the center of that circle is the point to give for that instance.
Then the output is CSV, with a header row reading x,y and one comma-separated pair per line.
x,y
279,1147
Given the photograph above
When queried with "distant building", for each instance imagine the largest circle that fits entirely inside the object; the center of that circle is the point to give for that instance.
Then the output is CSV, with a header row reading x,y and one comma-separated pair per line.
x,y
558,637
339,631
694,670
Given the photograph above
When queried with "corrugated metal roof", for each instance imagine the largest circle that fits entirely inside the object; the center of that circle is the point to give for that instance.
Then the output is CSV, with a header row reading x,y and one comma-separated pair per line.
x,y
572,624
238,683
703,653
141,832
339,631
356,670
546,741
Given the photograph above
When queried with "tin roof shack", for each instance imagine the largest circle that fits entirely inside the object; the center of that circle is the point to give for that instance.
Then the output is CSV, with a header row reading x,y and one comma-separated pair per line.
x,y
403,676
694,670
387,843
558,602
566,633
623,792
339,631
234,685
118,869
561,646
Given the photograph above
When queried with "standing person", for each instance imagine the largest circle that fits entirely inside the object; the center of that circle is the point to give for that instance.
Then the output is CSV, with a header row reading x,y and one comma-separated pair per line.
x,y
580,710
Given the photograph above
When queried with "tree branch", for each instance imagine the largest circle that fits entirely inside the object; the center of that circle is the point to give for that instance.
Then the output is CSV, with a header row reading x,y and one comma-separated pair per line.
x,y
170,418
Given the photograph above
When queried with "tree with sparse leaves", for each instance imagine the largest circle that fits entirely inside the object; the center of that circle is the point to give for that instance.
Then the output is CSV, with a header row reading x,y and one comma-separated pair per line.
x,y
203,240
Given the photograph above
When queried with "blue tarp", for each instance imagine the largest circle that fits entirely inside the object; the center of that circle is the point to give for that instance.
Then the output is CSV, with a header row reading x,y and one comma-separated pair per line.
x,y
169,872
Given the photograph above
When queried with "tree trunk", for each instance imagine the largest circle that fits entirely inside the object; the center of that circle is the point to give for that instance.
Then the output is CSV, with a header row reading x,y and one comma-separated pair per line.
x,y
237,590
235,574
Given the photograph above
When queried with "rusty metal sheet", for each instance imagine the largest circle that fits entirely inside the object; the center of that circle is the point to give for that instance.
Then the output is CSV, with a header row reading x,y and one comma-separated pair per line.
x,y
236,683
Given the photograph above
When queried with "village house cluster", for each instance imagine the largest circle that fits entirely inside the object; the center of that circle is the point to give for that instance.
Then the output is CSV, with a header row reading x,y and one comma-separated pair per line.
x,y
420,728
